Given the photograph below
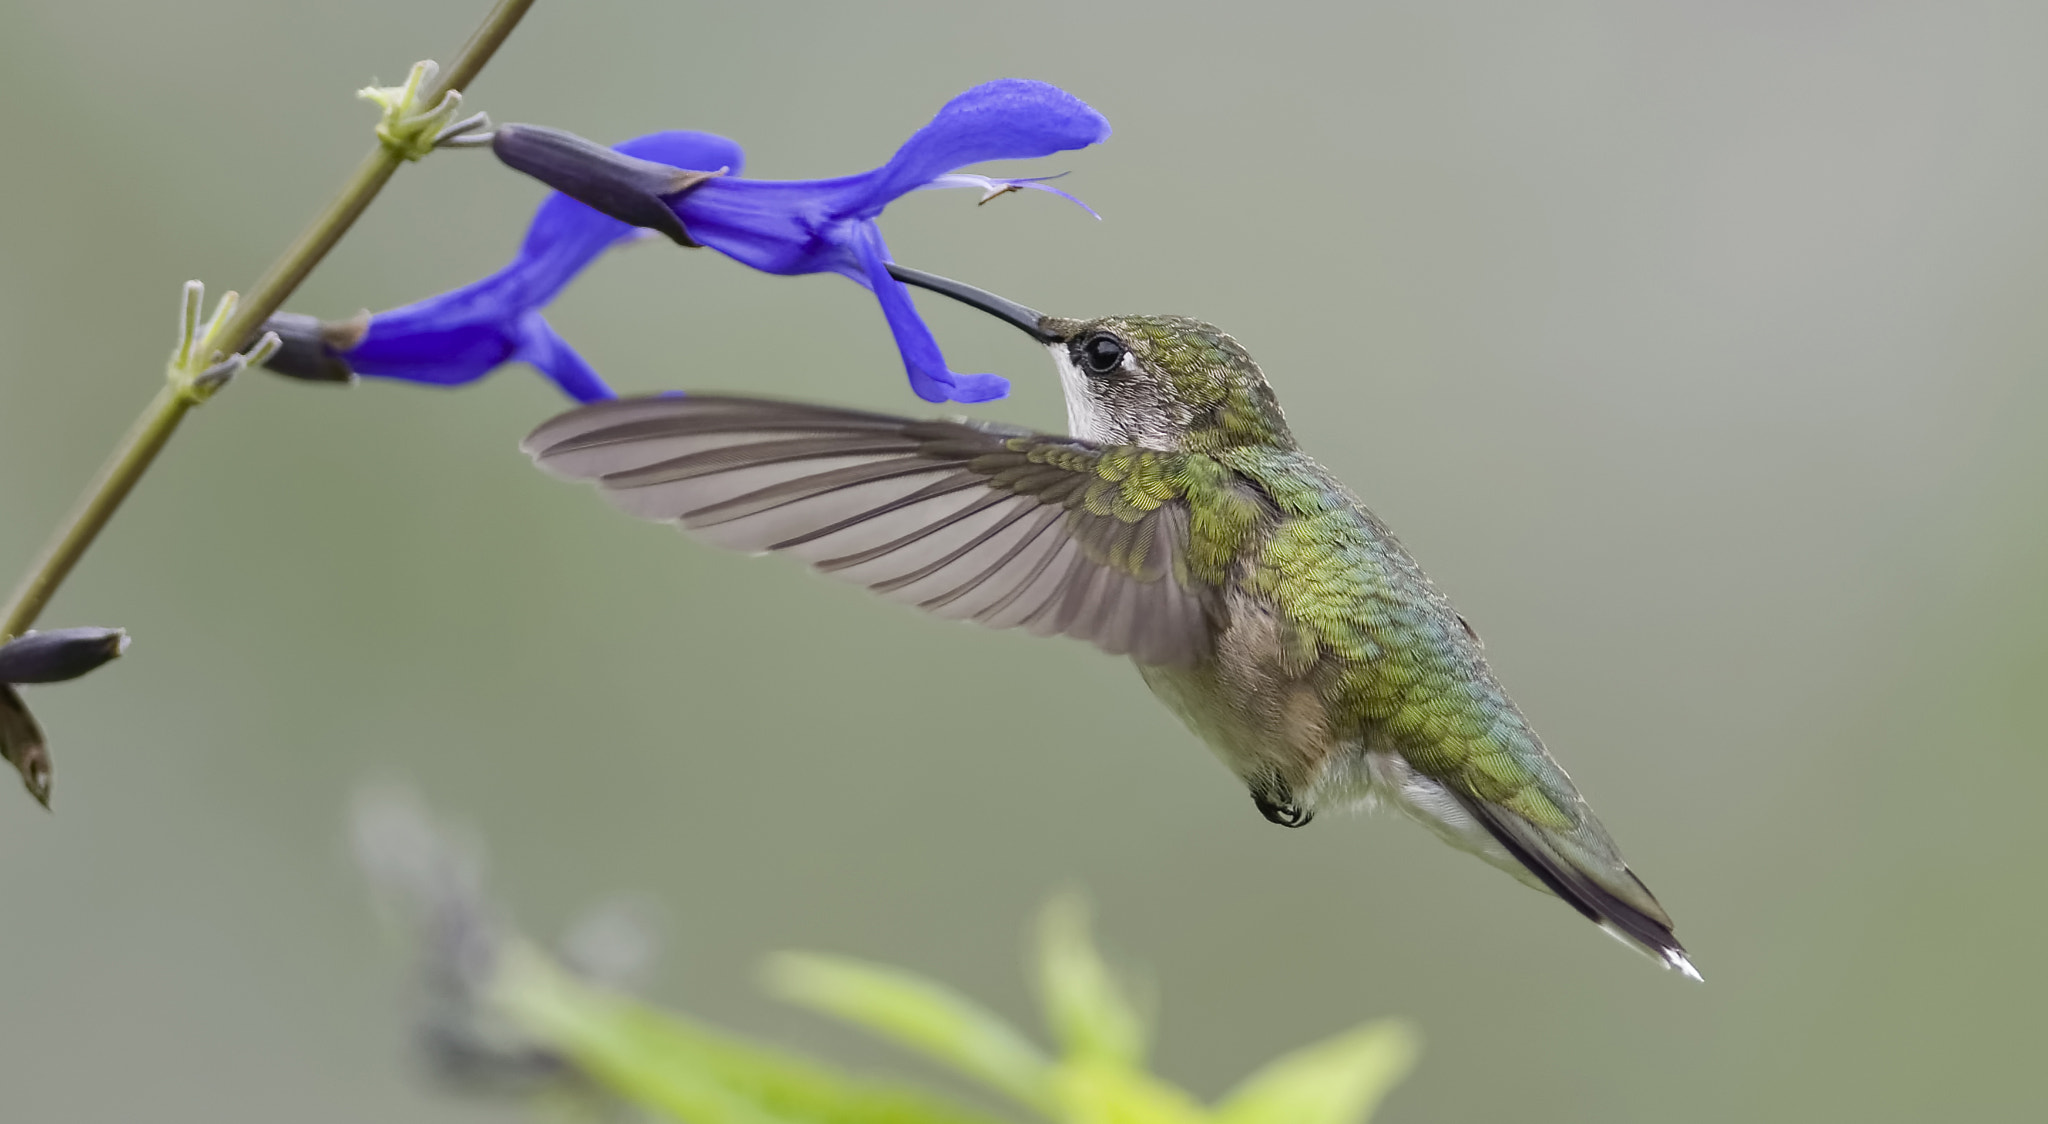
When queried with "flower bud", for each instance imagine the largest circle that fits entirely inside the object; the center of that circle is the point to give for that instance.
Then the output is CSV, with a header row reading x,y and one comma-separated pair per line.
x,y
59,654
626,188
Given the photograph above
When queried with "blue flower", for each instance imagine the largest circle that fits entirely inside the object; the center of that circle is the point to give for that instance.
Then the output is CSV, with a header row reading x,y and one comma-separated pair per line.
x,y
686,185
463,335
818,226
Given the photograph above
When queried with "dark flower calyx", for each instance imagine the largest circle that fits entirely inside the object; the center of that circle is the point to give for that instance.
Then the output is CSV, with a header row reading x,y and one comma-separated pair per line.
x,y
626,188
313,349
59,654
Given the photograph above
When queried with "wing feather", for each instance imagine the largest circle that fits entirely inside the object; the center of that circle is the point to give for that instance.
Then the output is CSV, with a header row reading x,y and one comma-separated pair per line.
x,y
996,525
1026,547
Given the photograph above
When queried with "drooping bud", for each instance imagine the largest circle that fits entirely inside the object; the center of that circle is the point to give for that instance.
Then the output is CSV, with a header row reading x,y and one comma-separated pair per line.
x,y
626,188
22,745
59,654
312,349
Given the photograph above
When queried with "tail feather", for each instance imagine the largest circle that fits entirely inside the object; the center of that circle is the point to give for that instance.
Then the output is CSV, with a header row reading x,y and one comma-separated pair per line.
x,y
1632,924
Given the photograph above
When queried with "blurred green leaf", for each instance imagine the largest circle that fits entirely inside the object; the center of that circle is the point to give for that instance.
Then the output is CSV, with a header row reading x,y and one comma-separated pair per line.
x,y
689,1073
1087,1009
1339,1080
1104,1092
921,1014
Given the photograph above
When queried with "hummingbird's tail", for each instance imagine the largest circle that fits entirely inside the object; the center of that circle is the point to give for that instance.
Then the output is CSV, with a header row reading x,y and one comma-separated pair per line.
x,y
1579,864
1643,926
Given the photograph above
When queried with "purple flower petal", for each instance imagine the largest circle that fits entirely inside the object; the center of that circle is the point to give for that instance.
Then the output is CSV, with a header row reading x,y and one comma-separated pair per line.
x,y
929,376
1008,119
553,357
566,235
787,227
462,335
826,226
810,226
446,340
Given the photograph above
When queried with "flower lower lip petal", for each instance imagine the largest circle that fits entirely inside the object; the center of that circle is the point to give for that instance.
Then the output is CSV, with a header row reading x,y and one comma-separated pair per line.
x,y
1027,320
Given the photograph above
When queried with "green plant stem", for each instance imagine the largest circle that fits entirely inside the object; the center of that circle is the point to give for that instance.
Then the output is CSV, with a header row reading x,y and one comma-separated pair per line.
x,y
483,43
133,456
291,268
102,496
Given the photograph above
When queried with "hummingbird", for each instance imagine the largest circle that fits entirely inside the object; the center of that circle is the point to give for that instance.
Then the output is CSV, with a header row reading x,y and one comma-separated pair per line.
x,y
1178,523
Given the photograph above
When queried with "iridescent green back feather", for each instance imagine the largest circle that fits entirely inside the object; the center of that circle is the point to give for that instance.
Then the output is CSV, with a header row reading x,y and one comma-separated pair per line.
x,y
1400,665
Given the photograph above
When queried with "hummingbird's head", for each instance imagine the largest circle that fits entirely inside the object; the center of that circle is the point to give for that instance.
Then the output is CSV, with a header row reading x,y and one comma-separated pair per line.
x,y
1161,382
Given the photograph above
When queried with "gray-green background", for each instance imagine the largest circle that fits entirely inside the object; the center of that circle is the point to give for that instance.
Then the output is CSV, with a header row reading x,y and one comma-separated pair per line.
x,y
1697,349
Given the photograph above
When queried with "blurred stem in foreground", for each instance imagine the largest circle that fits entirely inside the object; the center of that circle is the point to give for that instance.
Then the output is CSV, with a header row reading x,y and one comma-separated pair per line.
x,y
561,1027
416,116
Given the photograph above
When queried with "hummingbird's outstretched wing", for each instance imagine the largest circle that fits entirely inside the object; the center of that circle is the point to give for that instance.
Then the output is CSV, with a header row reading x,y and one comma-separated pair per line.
x,y
969,521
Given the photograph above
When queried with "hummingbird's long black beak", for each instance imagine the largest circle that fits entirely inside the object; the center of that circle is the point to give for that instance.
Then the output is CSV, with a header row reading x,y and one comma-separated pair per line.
x,y
1008,311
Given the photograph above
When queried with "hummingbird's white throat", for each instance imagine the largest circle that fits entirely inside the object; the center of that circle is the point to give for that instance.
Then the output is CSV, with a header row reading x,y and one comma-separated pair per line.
x,y
1085,417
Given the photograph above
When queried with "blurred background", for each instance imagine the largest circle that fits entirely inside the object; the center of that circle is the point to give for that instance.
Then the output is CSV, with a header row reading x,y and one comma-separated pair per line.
x,y
1697,350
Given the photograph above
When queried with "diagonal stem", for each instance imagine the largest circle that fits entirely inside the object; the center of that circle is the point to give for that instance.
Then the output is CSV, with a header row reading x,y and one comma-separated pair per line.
x,y
291,268
116,478
133,456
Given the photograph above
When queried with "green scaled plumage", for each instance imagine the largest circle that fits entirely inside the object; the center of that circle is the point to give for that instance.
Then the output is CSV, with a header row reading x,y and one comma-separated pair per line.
x,y
1180,525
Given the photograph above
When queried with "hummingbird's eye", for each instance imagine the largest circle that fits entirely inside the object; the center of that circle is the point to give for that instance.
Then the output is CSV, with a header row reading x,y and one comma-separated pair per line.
x,y
1102,353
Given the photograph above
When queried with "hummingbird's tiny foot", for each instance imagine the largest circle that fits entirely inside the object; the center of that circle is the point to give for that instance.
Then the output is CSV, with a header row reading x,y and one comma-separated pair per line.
x,y
1283,812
